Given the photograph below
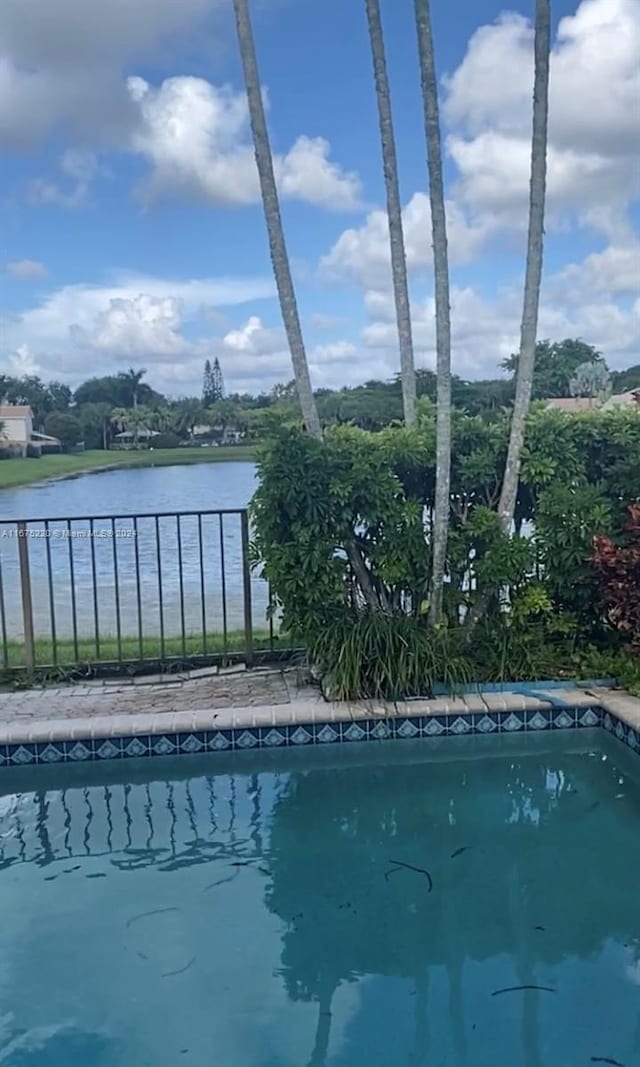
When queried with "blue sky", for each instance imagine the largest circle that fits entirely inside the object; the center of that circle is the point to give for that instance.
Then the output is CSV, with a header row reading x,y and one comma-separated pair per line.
x,y
131,230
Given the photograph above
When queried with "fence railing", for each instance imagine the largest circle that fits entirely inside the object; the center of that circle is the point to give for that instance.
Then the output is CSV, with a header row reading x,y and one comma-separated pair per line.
x,y
130,589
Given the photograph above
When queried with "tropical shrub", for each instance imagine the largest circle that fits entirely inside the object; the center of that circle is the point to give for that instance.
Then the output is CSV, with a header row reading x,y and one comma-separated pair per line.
x,y
617,570
343,533
381,656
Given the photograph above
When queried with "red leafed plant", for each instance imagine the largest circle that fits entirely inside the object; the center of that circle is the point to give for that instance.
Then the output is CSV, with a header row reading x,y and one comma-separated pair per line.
x,y
617,568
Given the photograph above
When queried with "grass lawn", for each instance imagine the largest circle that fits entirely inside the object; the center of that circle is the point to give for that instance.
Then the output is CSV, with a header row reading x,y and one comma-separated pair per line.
x,y
129,651
14,472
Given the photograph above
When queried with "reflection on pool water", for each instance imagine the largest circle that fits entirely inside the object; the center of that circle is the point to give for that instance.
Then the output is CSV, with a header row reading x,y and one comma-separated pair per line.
x,y
371,906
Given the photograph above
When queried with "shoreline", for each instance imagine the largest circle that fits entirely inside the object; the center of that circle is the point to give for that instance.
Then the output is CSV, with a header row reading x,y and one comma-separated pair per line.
x,y
31,473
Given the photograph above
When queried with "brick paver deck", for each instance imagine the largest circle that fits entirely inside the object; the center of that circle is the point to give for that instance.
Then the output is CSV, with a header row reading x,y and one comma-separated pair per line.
x,y
213,690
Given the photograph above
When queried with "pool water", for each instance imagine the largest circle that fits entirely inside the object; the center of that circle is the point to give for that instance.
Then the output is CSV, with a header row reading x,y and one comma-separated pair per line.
x,y
367,905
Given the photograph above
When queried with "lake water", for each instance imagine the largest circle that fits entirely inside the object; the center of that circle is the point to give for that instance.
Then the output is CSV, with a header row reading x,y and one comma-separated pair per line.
x,y
171,575
129,492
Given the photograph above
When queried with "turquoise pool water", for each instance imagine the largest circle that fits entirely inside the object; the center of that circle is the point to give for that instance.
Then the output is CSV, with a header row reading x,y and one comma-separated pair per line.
x,y
373,905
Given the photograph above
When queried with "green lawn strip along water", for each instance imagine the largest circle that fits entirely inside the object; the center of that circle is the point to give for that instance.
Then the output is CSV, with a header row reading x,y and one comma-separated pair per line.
x,y
17,472
128,650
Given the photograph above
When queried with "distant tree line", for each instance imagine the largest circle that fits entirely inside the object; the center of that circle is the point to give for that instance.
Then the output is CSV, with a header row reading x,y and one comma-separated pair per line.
x,y
102,407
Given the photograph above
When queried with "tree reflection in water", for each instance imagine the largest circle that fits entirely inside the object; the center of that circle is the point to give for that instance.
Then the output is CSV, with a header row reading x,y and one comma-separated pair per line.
x,y
532,882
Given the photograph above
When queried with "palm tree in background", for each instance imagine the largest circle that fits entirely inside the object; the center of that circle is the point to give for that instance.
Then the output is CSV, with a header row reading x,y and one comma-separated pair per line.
x,y
443,310
273,219
133,379
186,415
133,420
533,272
394,212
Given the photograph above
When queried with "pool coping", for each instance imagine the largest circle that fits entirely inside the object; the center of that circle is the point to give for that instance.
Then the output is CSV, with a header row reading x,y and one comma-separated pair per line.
x,y
310,720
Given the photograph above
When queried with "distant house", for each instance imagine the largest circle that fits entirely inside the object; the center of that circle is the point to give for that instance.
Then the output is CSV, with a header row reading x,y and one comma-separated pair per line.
x,y
141,437
630,399
17,432
572,405
222,434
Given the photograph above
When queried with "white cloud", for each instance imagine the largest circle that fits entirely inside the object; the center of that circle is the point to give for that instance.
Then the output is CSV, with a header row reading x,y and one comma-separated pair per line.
x,y
260,358
25,269
196,137
22,362
483,332
576,302
362,253
80,330
593,117
255,339
334,352
307,173
63,68
614,272
139,328
61,63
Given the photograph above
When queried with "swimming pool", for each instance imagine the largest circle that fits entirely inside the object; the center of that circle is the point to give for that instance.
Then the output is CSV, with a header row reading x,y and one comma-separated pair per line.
x,y
373,904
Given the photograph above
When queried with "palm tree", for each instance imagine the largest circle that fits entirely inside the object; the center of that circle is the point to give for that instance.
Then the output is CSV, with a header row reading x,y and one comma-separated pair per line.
x,y
103,414
533,272
186,414
443,310
132,420
394,212
271,207
133,379
159,418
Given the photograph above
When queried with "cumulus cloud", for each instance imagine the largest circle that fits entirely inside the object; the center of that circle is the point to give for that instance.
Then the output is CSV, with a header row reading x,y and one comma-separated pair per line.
x,y
196,137
258,356
137,328
25,269
255,339
576,302
62,69
592,181
615,271
593,117
362,253
334,352
61,64
22,362
80,330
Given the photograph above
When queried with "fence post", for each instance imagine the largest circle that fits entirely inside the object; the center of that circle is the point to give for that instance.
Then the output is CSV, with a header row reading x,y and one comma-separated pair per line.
x,y
246,587
27,603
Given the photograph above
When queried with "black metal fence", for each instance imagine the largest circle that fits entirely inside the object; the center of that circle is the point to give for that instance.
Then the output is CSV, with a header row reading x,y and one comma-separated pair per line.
x,y
119,590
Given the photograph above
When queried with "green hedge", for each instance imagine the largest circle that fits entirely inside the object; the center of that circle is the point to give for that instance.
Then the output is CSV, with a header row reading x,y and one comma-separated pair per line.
x,y
343,534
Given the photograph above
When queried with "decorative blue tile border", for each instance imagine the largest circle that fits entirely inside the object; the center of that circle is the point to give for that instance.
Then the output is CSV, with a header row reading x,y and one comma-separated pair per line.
x,y
298,735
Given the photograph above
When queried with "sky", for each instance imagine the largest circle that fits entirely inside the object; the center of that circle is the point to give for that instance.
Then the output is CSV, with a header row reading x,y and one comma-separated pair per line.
x,y
131,229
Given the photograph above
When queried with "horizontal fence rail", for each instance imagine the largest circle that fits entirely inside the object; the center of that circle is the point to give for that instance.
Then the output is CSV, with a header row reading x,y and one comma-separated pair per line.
x,y
122,590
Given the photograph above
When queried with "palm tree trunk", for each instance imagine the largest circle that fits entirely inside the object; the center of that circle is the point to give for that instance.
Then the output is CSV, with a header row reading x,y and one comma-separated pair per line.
x,y
394,212
271,206
323,1030
533,274
443,309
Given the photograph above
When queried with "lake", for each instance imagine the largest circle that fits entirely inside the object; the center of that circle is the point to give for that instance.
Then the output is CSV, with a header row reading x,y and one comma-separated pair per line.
x,y
138,489
73,548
